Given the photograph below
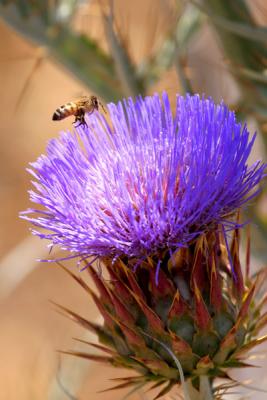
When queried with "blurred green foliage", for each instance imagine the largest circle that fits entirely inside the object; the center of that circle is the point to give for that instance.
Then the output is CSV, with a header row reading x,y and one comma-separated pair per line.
x,y
245,48
113,75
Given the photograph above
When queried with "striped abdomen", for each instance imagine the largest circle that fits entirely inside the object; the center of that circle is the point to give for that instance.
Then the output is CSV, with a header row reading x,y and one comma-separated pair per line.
x,y
65,111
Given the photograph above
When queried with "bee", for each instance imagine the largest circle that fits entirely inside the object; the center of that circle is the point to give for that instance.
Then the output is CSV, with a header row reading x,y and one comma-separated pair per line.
x,y
78,109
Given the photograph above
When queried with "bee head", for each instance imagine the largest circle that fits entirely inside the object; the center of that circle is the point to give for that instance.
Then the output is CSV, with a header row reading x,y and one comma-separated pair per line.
x,y
94,101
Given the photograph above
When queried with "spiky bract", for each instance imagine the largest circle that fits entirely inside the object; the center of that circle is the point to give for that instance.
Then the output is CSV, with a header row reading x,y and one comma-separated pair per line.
x,y
207,319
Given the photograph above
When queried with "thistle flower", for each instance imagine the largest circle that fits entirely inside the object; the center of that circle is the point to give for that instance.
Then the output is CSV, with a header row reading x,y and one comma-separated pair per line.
x,y
149,182
151,196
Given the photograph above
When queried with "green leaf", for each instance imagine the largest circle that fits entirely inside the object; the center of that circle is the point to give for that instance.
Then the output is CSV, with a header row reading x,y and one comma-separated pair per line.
x,y
131,83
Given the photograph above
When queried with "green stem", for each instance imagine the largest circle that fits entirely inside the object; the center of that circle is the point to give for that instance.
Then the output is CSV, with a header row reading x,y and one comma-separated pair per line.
x,y
205,388
204,392
184,81
125,68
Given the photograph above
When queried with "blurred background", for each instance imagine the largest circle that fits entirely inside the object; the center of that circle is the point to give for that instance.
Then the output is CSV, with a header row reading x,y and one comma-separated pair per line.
x,y
53,51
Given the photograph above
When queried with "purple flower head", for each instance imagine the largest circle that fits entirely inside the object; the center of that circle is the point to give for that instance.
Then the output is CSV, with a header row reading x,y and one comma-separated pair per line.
x,y
147,182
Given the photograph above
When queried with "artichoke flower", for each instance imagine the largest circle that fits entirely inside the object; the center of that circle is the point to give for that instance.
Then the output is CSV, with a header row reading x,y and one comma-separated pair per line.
x,y
154,197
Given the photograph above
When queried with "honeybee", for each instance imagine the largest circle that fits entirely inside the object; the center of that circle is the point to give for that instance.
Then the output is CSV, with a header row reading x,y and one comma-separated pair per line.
x,y
78,109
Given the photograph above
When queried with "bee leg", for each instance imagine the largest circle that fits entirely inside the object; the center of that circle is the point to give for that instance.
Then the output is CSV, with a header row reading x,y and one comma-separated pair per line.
x,y
77,119
103,108
80,118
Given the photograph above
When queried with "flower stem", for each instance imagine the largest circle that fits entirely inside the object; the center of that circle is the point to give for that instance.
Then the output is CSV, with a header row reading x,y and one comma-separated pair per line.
x,y
204,392
205,388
